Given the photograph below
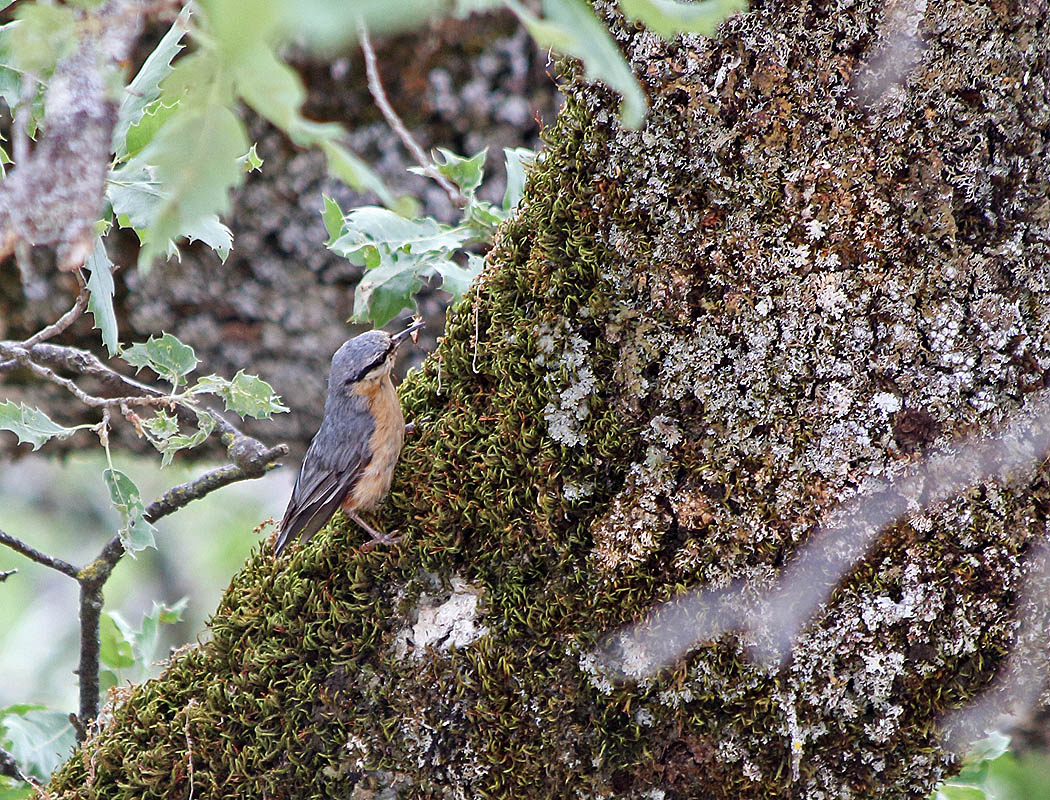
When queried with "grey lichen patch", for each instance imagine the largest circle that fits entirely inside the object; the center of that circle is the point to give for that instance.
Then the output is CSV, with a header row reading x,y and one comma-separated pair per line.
x,y
443,623
572,383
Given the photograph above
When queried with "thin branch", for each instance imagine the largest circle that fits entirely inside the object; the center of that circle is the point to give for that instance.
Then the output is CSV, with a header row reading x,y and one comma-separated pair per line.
x,y
375,86
178,496
65,320
7,573
35,555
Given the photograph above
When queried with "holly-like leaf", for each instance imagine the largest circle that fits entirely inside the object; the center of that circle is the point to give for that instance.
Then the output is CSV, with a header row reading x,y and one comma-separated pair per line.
x,y
136,533
148,636
167,356
194,156
144,88
668,18
40,740
570,28
245,395
100,303
31,424
142,132
162,425
187,441
372,235
466,173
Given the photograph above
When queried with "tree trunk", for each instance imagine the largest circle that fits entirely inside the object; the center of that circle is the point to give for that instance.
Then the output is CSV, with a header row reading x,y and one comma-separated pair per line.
x,y
811,267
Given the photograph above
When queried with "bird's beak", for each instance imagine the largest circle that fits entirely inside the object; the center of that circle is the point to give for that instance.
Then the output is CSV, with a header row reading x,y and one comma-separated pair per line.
x,y
400,335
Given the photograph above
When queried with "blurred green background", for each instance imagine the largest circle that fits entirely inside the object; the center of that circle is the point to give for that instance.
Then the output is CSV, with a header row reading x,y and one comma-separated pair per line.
x,y
62,508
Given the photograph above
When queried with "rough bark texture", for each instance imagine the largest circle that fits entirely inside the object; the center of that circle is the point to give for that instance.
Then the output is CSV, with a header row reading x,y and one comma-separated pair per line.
x,y
693,342
278,306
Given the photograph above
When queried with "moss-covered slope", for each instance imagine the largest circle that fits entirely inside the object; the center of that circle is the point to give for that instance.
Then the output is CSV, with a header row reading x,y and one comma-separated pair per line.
x,y
694,342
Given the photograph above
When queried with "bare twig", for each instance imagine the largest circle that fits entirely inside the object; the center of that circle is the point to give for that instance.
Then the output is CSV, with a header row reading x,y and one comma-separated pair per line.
x,y
65,320
178,496
35,555
7,573
375,86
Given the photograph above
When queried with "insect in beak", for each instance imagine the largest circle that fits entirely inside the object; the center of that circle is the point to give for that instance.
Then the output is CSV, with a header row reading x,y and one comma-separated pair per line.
x,y
411,329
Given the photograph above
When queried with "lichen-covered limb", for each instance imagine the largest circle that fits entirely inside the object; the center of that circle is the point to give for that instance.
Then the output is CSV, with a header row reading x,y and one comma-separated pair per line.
x,y
694,343
54,194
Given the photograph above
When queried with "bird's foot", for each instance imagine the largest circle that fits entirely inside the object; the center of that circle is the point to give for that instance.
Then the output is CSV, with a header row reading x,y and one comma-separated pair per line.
x,y
377,537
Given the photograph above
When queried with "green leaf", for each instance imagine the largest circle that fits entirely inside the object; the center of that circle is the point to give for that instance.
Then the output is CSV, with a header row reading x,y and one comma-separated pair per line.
x,y
184,441
148,636
142,132
326,24
333,218
250,161
571,28
162,425
145,87
137,196
952,791
245,395
13,789
114,645
390,236
100,303
30,424
668,18
212,232
40,740
384,292
456,279
466,173
167,356
195,157
518,159
136,533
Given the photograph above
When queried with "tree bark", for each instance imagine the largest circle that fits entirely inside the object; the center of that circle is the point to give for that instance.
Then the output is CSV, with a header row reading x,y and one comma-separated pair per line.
x,y
810,268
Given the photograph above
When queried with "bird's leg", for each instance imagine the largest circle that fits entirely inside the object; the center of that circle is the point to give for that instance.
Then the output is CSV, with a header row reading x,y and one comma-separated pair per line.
x,y
382,538
410,427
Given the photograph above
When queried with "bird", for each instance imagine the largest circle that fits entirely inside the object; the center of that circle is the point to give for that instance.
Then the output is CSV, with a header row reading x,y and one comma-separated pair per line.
x,y
351,458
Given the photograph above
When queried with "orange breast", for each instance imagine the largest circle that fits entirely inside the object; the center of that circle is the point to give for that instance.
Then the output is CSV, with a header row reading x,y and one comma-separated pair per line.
x,y
386,442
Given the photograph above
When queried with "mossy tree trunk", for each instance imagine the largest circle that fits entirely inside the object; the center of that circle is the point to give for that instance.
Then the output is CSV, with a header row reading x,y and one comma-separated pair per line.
x,y
695,341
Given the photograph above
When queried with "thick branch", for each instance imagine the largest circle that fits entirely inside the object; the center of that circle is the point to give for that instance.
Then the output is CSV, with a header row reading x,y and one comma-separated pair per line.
x,y
91,601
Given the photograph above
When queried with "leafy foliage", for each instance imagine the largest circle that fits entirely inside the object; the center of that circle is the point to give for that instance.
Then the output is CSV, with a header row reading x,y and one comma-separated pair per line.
x,y
31,424
398,252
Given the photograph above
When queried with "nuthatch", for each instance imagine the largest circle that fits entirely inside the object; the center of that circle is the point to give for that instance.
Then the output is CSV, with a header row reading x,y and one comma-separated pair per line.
x,y
351,459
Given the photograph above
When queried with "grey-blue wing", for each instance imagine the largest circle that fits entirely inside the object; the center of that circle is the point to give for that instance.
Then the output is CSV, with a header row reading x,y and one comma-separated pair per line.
x,y
332,465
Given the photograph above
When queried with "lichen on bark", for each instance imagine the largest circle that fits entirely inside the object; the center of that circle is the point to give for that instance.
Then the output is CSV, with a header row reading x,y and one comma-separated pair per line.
x,y
693,343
